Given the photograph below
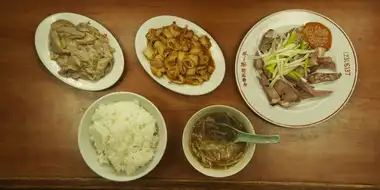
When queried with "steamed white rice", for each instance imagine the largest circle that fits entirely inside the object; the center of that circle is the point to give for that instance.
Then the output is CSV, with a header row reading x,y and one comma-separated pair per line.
x,y
124,136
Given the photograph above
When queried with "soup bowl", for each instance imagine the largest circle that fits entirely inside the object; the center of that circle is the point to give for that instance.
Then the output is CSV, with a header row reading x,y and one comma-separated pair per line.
x,y
186,137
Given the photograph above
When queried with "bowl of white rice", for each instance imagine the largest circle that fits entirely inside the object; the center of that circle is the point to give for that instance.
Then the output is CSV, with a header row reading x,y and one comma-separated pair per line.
x,y
122,136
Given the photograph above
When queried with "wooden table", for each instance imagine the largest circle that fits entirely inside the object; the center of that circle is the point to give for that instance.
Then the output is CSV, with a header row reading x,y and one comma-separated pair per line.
x,y
39,115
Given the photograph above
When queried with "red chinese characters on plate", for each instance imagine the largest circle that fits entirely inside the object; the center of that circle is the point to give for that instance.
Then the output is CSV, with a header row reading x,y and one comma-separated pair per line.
x,y
243,65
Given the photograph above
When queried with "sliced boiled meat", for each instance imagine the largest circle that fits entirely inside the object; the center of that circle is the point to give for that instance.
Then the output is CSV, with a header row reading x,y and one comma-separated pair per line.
x,y
323,77
286,91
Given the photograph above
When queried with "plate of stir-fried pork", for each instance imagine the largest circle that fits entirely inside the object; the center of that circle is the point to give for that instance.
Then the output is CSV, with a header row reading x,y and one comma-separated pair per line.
x,y
296,68
79,51
180,55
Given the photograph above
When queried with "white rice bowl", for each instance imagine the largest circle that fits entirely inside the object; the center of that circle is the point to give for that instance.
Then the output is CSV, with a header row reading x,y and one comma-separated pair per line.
x,y
124,135
117,125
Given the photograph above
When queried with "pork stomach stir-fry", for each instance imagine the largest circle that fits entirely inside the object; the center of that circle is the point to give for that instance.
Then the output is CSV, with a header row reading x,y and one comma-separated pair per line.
x,y
80,50
179,54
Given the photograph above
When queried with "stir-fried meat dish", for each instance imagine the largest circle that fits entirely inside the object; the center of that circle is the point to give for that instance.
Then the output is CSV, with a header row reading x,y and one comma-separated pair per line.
x,y
179,55
210,142
81,51
288,63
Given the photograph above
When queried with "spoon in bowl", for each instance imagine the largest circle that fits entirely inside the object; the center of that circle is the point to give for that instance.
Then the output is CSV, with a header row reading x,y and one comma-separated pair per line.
x,y
240,136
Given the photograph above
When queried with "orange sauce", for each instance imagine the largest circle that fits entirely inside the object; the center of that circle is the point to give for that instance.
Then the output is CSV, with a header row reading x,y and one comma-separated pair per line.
x,y
317,35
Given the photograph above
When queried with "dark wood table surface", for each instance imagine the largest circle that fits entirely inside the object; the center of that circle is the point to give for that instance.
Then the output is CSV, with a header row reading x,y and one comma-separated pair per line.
x,y
39,115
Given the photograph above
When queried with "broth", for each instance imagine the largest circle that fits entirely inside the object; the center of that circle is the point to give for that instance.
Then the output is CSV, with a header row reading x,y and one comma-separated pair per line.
x,y
213,145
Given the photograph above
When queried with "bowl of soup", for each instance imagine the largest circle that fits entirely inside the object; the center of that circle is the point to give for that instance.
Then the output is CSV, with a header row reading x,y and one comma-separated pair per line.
x,y
207,146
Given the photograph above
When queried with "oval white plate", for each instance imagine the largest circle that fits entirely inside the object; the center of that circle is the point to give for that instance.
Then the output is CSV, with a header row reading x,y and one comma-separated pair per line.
x,y
41,41
308,112
216,53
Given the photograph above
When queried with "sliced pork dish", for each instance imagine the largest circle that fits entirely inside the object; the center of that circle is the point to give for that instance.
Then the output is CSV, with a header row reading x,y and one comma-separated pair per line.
x,y
290,63
81,51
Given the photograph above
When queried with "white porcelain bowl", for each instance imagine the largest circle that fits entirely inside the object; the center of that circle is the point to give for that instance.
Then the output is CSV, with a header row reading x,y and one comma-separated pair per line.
x,y
217,172
88,150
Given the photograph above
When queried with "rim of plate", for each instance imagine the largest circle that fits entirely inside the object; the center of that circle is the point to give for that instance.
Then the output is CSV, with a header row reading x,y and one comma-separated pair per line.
x,y
217,54
321,120
41,40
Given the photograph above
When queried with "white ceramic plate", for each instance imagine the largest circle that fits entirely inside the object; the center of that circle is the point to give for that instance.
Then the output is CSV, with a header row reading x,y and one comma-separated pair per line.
x,y
88,151
216,53
308,112
41,41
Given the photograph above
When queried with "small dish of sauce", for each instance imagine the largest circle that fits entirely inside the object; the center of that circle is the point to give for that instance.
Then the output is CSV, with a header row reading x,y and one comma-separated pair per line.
x,y
317,35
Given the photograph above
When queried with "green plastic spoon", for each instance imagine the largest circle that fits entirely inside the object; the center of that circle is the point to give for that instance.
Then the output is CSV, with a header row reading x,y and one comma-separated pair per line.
x,y
240,136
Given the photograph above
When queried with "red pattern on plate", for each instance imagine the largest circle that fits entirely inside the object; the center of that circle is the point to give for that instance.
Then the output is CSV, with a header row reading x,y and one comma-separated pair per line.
x,y
243,69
